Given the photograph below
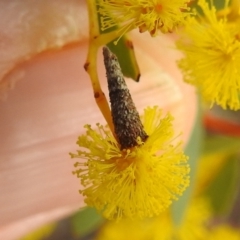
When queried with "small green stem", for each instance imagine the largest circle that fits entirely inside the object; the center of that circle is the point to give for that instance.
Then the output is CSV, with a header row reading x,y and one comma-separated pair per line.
x,y
96,40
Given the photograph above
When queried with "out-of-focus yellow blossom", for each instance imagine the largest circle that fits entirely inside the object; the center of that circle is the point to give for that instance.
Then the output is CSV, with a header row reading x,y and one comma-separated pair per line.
x,y
208,168
126,229
196,225
223,232
211,62
138,182
231,10
147,15
192,227
148,229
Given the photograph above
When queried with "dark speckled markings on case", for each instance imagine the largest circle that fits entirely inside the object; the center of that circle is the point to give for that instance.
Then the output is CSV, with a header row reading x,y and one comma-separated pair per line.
x,y
127,124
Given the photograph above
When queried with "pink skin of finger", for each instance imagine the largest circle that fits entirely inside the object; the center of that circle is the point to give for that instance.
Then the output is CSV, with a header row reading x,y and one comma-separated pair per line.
x,y
45,113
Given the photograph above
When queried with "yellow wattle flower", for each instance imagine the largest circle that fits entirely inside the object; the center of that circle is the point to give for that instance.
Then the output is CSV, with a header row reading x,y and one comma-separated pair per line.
x,y
195,222
211,61
196,225
193,226
223,232
138,182
147,15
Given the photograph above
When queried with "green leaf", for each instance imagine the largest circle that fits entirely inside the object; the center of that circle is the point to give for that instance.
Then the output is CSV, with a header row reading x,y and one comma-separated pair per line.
x,y
125,53
85,221
222,190
216,151
221,143
193,150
